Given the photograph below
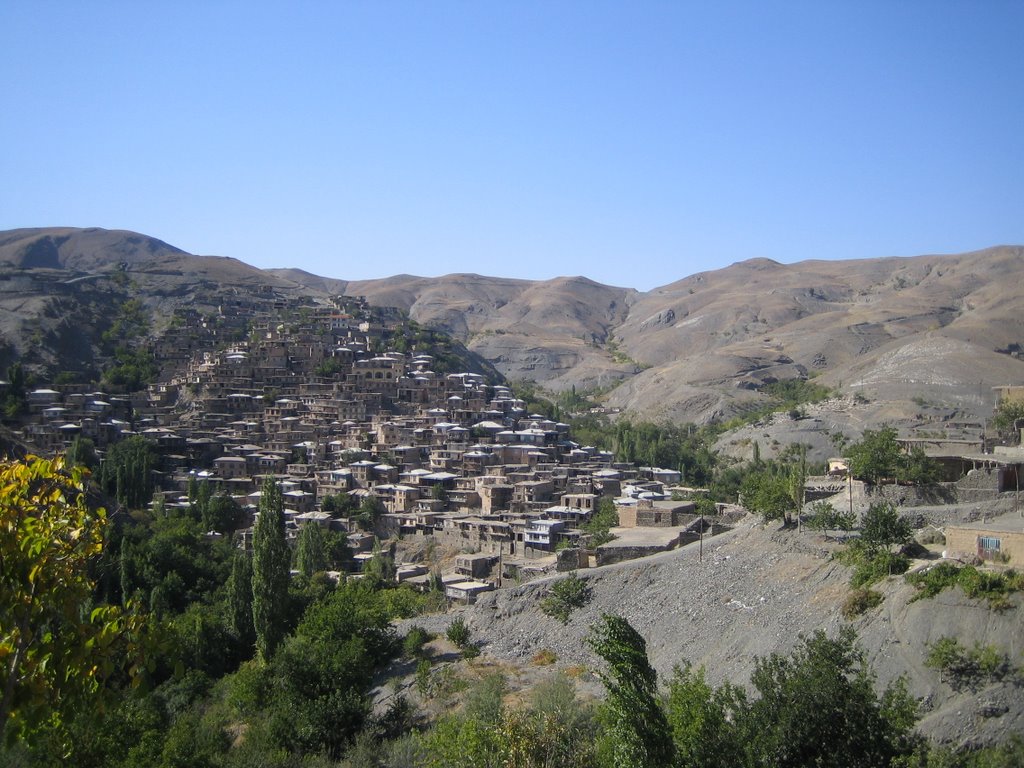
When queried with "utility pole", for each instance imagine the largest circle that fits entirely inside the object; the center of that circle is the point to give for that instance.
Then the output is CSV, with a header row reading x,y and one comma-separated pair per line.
x,y
700,548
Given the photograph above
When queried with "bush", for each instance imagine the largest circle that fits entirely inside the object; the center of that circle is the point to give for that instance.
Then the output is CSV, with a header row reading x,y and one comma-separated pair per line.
x,y
415,639
458,632
566,596
966,668
870,566
423,677
994,587
860,601
544,657
403,602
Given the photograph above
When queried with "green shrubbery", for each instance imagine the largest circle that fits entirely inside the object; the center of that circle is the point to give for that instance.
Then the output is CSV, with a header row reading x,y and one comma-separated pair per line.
x,y
993,587
871,565
601,522
964,667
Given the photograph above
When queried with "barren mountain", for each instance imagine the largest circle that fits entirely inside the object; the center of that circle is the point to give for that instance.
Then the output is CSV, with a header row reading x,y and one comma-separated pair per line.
x,y
929,327
80,250
941,329
904,333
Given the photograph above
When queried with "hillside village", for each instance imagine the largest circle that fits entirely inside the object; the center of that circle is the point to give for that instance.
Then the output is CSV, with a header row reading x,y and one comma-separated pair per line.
x,y
322,399
374,429
340,400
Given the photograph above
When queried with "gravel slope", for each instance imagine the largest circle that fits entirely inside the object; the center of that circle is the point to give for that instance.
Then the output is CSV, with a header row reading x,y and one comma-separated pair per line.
x,y
756,591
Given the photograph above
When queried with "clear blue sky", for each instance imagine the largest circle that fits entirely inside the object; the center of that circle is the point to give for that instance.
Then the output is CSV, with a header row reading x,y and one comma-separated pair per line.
x,y
632,142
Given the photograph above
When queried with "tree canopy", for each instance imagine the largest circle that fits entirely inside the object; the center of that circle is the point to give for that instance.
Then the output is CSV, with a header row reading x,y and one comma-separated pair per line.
x,y
637,732
271,563
127,471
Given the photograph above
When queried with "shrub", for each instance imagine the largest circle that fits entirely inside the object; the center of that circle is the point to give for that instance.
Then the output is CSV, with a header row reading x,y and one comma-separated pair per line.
x,y
403,602
415,639
423,677
859,601
544,657
870,566
458,632
966,668
993,587
566,596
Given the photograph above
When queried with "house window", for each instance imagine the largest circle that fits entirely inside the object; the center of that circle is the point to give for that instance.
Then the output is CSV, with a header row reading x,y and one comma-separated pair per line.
x,y
989,546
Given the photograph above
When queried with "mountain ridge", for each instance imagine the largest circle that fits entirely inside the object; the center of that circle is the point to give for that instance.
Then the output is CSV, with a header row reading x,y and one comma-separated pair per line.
x,y
695,349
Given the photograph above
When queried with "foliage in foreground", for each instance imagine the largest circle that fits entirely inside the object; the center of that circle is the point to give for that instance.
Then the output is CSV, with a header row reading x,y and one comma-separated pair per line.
x,y
57,644
815,706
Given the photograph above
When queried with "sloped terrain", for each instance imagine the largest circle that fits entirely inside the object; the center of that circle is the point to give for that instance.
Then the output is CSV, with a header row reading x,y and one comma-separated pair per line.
x,y
554,332
756,591
61,288
81,250
891,329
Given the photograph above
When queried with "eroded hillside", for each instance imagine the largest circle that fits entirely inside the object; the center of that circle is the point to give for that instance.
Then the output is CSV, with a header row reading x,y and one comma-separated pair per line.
x,y
754,593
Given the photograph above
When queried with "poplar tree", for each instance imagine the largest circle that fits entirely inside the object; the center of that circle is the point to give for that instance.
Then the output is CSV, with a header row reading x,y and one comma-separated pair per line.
x,y
638,734
240,599
127,471
270,571
311,551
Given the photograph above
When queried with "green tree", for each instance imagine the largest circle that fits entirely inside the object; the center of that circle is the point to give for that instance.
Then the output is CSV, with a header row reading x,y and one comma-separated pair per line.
x,y
566,595
56,646
222,514
127,471
370,511
339,552
599,525
1008,413
768,492
703,721
818,707
917,468
882,527
240,600
825,517
379,570
876,456
204,492
15,402
311,551
82,453
438,492
458,633
637,734
170,561
270,571
321,675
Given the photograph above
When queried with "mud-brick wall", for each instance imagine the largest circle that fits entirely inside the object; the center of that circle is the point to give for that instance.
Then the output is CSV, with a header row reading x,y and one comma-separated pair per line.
x,y
965,541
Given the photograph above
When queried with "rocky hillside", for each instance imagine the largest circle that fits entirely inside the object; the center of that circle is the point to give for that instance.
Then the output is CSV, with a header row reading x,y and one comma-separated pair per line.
x,y
62,289
937,329
756,591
